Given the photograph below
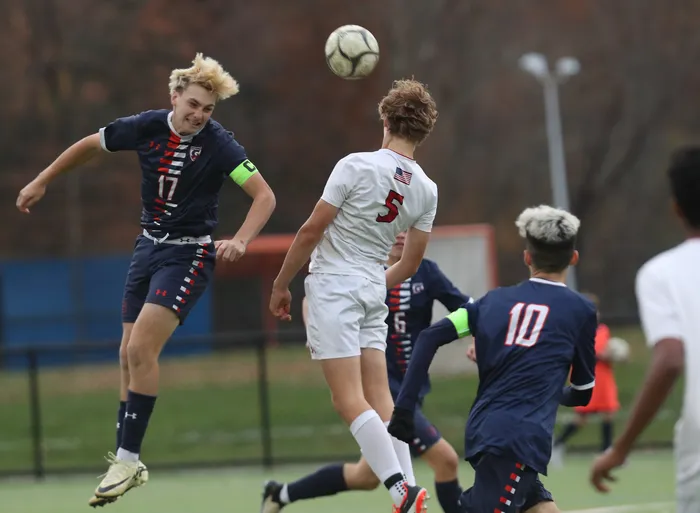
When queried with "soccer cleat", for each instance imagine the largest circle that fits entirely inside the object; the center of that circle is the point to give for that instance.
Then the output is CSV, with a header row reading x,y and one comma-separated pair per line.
x,y
414,501
140,480
271,502
121,477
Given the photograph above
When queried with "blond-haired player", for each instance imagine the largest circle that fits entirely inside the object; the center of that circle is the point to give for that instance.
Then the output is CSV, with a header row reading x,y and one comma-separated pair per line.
x,y
668,294
368,200
185,158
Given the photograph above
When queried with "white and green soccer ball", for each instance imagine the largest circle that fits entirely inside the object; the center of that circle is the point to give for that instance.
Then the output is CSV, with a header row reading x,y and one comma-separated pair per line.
x,y
352,52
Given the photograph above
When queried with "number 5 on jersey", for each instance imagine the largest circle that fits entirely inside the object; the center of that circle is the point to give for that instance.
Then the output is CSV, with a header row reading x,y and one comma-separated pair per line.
x,y
393,207
531,322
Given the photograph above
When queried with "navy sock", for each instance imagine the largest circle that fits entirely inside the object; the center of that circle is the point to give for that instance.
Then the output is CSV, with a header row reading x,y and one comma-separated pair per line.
x,y
138,411
325,481
607,432
120,423
448,494
569,431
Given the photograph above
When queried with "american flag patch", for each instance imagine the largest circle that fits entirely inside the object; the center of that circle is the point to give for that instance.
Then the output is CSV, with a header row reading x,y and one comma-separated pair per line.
x,y
402,176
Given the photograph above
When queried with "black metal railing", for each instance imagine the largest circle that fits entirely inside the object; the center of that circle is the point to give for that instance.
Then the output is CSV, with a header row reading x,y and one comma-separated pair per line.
x,y
225,399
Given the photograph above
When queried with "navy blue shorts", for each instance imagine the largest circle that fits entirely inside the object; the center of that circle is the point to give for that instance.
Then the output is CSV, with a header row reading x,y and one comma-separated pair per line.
x,y
502,485
171,275
427,434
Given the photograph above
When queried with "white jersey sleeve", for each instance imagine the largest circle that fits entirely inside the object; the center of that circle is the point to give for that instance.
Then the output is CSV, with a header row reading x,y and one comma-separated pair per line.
x,y
657,310
339,184
425,222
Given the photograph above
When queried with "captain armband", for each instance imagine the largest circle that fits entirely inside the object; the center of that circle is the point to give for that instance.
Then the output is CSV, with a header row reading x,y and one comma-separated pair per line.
x,y
460,319
243,172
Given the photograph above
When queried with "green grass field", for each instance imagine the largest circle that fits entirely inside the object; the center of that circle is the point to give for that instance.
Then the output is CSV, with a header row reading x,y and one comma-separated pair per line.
x,y
208,410
645,486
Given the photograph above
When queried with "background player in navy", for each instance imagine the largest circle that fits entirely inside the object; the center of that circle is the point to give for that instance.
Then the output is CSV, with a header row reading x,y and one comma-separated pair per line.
x,y
185,159
410,311
527,339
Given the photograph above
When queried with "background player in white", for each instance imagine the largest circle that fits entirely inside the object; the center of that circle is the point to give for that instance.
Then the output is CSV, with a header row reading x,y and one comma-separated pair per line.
x,y
668,293
368,200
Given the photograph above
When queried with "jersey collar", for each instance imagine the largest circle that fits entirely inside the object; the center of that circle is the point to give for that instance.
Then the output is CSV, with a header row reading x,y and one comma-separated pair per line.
x,y
183,138
548,282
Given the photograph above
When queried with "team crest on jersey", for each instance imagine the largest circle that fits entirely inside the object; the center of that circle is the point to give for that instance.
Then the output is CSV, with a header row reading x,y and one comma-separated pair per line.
x,y
417,288
195,151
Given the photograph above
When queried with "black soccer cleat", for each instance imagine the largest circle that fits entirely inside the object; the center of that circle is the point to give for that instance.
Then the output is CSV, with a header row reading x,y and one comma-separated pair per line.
x,y
271,502
414,501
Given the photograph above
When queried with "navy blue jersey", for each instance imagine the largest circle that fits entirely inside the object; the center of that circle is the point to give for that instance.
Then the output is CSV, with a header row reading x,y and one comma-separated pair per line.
x,y
181,175
411,311
529,340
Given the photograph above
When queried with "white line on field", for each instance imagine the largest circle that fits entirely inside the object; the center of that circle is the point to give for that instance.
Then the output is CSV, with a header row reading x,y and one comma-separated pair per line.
x,y
655,507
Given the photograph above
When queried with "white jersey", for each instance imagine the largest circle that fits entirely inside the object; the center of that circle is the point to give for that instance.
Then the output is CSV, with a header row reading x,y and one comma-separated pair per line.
x,y
668,294
379,195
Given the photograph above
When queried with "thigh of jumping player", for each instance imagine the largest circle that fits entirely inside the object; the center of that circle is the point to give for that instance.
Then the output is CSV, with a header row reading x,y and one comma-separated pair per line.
x,y
334,315
138,279
181,274
537,495
373,329
501,485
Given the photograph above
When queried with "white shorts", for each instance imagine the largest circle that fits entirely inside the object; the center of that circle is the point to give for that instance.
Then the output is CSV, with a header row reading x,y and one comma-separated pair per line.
x,y
346,314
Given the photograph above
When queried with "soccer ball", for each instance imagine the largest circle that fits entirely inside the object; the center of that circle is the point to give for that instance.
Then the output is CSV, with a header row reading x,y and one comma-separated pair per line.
x,y
618,350
352,52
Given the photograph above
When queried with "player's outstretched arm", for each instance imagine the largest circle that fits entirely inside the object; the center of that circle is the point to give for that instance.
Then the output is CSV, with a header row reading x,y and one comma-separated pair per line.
x,y
259,213
662,329
77,154
450,328
413,252
306,240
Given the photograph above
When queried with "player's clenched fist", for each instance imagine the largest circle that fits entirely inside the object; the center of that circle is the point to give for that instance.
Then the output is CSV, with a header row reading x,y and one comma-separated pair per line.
x,y
30,195
280,303
401,426
229,250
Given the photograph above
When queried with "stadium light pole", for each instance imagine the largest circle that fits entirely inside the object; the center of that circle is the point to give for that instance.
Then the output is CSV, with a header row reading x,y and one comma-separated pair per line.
x,y
566,67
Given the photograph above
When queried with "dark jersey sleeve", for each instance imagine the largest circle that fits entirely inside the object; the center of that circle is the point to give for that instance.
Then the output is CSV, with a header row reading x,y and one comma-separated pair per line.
x,y
428,343
472,309
234,162
121,134
583,366
442,289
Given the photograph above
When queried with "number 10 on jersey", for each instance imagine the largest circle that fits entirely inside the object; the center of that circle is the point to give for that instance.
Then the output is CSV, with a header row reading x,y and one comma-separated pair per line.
x,y
531,322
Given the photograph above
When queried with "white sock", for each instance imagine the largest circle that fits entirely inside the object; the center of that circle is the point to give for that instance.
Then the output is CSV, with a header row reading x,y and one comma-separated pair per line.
x,y
284,494
376,445
403,453
125,455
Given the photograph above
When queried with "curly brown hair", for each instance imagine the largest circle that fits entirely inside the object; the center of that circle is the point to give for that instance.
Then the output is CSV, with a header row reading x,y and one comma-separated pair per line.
x,y
409,110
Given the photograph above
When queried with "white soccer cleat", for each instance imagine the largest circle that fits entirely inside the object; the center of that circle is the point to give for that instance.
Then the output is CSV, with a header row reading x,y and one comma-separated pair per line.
x,y
121,477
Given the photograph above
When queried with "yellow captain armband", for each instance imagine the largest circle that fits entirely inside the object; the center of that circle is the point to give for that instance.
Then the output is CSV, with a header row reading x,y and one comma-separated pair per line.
x,y
460,319
243,172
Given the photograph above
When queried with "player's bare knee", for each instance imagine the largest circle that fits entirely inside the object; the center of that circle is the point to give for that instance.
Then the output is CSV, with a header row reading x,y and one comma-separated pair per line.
x,y
444,461
349,406
140,355
360,477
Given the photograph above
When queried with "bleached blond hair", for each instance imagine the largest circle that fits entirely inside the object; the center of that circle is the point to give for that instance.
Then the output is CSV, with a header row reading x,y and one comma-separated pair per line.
x,y
207,73
548,224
